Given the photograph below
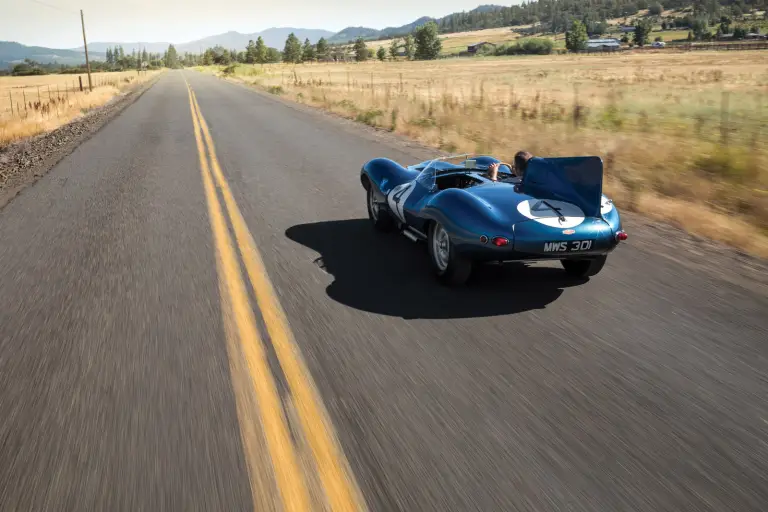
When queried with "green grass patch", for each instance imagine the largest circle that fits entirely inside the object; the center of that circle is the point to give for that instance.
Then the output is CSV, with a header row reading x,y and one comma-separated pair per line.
x,y
369,116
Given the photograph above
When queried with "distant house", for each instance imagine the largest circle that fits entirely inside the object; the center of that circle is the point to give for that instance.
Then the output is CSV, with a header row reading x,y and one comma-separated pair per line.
x,y
627,29
603,45
473,48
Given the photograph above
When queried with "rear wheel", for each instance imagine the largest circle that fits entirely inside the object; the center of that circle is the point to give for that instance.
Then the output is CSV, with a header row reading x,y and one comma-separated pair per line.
x,y
379,217
584,268
450,267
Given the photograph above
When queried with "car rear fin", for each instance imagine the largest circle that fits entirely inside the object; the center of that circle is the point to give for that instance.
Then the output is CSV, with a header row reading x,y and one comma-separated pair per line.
x,y
577,180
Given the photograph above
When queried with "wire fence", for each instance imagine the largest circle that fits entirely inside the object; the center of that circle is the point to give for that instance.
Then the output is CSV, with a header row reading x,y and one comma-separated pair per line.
x,y
720,117
50,93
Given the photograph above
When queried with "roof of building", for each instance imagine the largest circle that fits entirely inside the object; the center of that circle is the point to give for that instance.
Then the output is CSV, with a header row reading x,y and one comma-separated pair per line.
x,y
603,41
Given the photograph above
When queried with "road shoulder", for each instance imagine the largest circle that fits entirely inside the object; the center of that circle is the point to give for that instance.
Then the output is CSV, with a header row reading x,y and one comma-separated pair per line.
x,y
22,163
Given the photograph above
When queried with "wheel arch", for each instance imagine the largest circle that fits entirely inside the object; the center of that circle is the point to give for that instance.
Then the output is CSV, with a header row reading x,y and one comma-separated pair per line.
x,y
385,174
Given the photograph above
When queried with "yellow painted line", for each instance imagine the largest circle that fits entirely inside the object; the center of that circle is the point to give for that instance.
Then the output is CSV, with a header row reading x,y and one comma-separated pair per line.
x,y
290,480
338,481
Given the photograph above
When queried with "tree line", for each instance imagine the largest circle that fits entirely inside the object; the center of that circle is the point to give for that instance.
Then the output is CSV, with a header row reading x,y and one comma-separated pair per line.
x,y
422,44
556,16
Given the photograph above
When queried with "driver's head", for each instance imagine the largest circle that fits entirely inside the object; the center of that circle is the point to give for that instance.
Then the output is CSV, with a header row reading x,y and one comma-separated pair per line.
x,y
521,162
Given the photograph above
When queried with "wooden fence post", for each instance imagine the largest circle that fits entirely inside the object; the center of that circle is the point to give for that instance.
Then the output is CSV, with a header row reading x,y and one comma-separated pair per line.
x,y
24,95
81,83
10,97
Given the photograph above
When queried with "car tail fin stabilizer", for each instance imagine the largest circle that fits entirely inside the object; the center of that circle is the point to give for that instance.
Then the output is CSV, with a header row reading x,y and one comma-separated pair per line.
x,y
576,180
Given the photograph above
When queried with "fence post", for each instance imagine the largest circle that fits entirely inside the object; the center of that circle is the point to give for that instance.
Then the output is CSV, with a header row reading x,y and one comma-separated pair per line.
x,y
81,83
10,97
24,95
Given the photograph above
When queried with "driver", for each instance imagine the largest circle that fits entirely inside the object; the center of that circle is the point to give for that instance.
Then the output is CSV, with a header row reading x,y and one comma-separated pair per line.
x,y
521,162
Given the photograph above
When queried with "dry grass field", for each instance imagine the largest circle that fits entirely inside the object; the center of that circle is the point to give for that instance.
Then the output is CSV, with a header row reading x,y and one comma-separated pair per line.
x,y
684,136
458,42
37,104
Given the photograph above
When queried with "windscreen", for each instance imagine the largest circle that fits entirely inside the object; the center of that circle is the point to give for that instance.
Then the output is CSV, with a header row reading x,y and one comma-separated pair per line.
x,y
428,175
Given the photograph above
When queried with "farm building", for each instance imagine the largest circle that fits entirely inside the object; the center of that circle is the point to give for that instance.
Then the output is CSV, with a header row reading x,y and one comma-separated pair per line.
x,y
603,45
473,48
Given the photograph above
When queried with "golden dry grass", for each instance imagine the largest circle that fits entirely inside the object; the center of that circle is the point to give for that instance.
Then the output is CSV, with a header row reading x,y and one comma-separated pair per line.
x,y
38,104
457,42
683,135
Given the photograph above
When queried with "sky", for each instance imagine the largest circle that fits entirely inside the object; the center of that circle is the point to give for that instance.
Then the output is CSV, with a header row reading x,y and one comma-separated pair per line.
x,y
56,23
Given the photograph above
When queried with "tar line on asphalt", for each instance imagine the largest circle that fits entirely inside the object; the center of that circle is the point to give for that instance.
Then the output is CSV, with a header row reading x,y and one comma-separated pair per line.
x,y
341,491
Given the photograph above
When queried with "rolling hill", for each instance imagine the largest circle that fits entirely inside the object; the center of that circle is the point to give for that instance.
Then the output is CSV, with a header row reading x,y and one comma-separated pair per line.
x,y
274,37
12,52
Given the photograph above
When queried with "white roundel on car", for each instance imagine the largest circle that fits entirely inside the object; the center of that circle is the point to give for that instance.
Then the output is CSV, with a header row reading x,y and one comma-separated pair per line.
x,y
397,197
556,214
606,205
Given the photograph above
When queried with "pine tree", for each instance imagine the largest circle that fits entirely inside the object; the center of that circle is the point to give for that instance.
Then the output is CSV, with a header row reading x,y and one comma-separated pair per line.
x,y
361,51
642,32
208,57
292,50
576,37
308,51
260,50
250,52
321,49
171,57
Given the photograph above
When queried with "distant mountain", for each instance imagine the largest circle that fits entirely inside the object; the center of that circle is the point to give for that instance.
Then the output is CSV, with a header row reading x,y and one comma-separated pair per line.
x,y
405,29
12,53
274,37
352,33
128,47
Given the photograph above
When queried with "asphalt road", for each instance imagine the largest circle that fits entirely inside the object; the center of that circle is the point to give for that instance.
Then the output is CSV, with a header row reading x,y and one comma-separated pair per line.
x,y
127,381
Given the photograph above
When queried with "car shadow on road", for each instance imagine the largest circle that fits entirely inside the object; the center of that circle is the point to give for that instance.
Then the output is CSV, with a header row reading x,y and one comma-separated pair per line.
x,y
390,275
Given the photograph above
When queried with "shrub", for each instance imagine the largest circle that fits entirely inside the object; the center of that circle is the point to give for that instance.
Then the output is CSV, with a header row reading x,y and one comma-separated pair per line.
x,y
369,116
724,164
532,46
275,89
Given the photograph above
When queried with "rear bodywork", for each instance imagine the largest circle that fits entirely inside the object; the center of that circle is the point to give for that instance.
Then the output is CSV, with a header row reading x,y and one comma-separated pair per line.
x,y
557,212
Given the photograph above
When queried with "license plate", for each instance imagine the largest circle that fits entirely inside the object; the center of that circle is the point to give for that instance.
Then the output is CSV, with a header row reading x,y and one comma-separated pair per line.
x,y
568,246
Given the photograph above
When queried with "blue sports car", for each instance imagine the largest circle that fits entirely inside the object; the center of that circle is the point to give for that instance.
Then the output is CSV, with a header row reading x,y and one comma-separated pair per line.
x,y
557,211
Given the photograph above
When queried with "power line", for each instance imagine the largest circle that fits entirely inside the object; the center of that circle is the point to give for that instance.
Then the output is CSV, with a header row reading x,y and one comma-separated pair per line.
x,y
55,7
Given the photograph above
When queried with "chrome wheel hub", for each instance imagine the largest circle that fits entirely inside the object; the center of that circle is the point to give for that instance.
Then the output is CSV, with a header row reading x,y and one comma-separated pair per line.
x,y
441,247
374,206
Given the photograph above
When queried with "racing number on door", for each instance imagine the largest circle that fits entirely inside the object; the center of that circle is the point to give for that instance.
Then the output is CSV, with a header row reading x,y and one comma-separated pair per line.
x,y
397,199
576,245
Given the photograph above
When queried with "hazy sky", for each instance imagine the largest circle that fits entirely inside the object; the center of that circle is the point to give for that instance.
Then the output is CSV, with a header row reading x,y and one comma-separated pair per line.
x,y
31,23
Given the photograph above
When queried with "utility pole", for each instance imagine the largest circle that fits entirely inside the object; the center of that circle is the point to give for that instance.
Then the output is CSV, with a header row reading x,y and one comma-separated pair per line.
x,y
85,43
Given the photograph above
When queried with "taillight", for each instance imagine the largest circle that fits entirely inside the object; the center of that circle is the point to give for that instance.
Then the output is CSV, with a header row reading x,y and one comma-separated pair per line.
x,y
499,241
621,236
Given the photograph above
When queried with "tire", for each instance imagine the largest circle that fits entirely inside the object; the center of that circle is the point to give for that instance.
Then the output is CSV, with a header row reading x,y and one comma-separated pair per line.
x,y
584,268
451,268
379,217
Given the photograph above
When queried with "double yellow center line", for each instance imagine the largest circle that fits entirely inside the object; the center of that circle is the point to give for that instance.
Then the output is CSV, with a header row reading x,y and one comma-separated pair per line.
x,y
340,492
